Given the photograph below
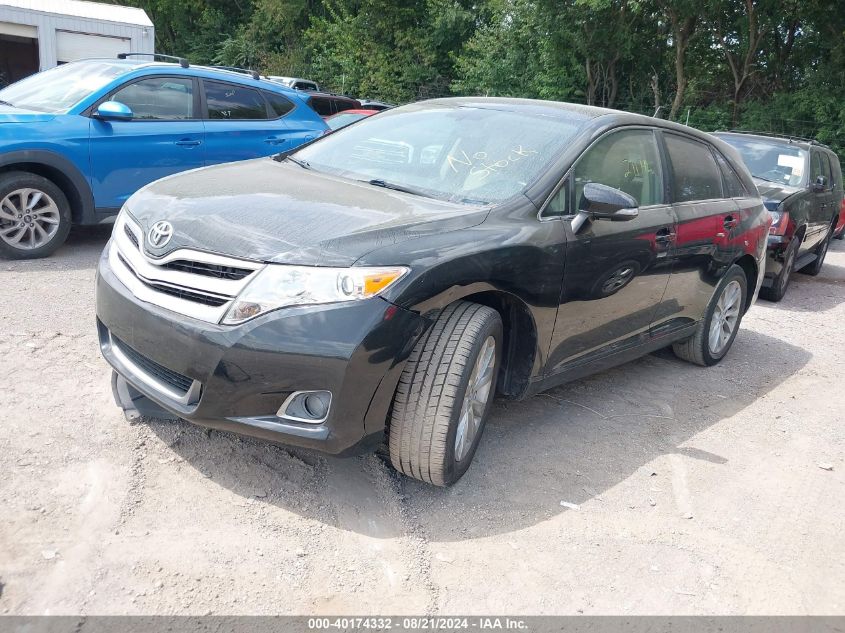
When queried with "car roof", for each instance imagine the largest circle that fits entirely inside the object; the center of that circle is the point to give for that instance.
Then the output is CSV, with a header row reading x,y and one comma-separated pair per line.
x,y
801,143
598,117
209,72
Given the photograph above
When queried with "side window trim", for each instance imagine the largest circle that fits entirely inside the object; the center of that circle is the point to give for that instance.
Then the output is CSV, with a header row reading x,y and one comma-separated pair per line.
x,y
196,105
564,180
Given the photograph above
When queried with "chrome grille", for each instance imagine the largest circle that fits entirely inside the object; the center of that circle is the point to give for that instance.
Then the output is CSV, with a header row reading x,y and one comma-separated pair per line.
x,y
194,283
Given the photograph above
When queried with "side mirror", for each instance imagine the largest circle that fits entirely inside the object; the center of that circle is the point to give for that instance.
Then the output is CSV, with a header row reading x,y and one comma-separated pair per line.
x,y
820,184
606,203
114,111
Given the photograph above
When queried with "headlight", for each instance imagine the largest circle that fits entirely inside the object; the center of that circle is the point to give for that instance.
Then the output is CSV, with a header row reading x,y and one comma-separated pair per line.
x,y
280,286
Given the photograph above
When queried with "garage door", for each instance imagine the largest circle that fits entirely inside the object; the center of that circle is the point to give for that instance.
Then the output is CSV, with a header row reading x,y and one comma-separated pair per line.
x,y
72,46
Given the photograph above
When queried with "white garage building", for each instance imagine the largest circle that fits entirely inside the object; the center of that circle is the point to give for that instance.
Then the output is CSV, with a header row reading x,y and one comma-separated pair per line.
x,y
39,34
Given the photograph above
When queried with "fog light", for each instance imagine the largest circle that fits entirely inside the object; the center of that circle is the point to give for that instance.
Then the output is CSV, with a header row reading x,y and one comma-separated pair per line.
x,y
306,406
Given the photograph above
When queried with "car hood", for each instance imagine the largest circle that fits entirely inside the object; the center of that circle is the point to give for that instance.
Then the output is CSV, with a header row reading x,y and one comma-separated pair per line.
x,y
272,211
8,114
774,191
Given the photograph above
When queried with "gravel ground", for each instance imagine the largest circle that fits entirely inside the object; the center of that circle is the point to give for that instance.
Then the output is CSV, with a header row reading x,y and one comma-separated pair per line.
x,y
698,491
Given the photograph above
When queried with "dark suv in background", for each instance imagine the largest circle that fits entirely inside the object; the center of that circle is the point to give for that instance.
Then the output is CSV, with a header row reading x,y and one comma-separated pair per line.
x,y
382,284
800,182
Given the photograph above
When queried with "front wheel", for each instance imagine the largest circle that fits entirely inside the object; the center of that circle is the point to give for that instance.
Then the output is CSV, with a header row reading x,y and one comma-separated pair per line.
x,y
445,393
34,216
717,330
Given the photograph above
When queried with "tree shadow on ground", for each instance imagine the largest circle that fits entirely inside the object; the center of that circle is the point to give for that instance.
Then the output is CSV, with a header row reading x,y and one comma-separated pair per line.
x,y
571,443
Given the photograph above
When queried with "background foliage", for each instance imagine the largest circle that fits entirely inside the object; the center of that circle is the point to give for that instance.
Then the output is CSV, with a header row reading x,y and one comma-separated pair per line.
x,y
765,65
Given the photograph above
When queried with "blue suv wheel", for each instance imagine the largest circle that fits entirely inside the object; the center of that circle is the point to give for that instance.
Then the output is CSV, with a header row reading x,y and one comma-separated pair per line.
x,y
34,216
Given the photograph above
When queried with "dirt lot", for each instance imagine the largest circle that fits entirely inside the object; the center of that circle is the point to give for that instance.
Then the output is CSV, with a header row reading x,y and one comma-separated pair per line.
x,y
700,490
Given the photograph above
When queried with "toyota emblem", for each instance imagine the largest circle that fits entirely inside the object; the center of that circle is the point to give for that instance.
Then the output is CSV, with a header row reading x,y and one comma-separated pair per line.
x,y
160,234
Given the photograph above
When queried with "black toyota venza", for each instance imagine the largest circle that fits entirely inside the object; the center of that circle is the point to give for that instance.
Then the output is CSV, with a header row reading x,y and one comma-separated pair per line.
x,y
382,284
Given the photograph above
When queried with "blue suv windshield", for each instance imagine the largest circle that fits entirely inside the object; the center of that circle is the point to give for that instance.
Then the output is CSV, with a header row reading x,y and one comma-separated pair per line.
x,y
59,89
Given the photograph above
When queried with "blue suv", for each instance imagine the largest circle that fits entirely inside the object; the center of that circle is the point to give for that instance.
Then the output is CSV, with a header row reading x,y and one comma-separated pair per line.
x,y
78,140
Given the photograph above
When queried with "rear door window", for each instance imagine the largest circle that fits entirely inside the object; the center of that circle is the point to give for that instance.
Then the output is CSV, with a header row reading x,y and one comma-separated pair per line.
x,y
695,174
233,103
159,99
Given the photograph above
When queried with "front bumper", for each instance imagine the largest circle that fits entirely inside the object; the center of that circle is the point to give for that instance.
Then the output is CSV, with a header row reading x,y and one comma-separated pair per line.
x,y
236,377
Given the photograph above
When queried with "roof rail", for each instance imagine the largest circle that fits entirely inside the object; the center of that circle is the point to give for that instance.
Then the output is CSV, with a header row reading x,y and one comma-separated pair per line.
x,y
179,60
246,71
789,137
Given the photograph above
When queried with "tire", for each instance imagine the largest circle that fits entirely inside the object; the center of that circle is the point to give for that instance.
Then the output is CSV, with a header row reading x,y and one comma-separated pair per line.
x,y
815,267
698,349
428,406
25,196
840,235
781,282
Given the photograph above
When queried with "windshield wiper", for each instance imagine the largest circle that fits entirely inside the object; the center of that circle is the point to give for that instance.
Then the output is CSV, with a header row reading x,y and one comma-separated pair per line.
x,y
378,182
7,103
298,161
767,179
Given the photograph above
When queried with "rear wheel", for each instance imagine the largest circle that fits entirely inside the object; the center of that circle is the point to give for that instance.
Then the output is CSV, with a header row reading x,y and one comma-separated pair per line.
x,y
781,282
445,393
716,332
34,216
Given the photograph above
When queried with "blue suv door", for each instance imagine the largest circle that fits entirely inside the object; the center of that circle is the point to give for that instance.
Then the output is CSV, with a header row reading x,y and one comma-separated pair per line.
x,y
243,122
164,136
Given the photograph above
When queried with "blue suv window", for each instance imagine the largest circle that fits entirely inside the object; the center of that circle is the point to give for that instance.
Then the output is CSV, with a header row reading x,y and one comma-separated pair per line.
x,y
231,102
159,98
279,104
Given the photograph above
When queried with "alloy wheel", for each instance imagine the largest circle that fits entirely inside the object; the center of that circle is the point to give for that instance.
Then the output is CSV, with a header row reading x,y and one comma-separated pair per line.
x,y
725,317
29,219
477,394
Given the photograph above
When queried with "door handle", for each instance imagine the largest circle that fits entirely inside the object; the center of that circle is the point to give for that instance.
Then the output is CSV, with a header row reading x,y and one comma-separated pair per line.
x,y
665,236
730,222
274,141
186,142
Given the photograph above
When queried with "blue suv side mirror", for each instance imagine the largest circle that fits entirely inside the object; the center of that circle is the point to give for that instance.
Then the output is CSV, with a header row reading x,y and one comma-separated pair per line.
x,y
113,110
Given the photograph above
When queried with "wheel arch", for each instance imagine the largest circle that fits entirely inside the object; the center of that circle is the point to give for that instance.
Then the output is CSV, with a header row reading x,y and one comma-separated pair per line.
x,y
520,344
59,170
749,267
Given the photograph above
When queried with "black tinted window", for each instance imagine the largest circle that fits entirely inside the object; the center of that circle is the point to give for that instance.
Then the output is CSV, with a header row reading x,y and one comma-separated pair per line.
x,y
228,101
695,173
827,172
815,166
278,104
733,185
340,105
321,106
159,98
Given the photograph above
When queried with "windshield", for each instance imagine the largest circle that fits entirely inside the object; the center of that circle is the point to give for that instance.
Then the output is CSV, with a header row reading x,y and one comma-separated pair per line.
x,y
61,88
462,154
775,162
